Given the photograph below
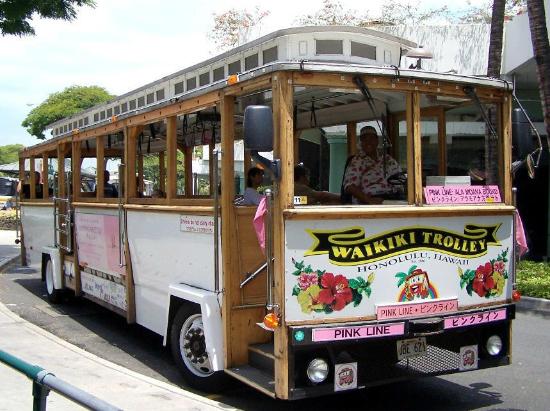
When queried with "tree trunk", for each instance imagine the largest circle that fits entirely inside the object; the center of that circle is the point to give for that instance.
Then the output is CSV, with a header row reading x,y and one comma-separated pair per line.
x,y
541,52
495,42
493,70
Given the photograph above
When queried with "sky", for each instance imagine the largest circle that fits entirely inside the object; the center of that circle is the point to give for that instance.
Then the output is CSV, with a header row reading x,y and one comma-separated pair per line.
x,y
121,45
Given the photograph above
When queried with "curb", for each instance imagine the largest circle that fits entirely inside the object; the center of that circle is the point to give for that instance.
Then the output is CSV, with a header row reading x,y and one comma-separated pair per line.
x,y
159,384
540,305
9,260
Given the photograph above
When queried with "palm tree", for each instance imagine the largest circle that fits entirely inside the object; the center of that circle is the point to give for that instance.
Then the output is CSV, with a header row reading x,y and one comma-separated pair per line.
x,y
495,41
541,52
493,70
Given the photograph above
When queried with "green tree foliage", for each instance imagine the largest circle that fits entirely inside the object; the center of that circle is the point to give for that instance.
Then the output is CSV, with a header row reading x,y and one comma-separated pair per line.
x,y
15,15
9,153
482,13
62,104
392,12
332,14
233,27
151,171
409,12
395,12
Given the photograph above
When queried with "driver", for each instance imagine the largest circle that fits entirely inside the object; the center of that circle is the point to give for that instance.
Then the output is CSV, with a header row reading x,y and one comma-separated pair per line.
x,y
364,177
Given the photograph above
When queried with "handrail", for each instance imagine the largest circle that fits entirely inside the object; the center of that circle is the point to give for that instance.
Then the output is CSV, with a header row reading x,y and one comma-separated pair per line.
x,y
43,382
251,275
215,180
121,219
269,248
17,219
64,227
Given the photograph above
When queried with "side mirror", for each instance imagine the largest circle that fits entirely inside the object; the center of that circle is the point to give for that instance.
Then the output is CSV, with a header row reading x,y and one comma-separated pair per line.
x,y
258,128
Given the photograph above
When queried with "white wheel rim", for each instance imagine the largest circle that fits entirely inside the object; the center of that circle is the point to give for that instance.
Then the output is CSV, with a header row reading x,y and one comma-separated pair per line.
x,y
192,346
49,277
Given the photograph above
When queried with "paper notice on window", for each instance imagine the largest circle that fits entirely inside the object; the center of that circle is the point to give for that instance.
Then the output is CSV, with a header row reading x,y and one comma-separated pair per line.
x,y
461,194
197,224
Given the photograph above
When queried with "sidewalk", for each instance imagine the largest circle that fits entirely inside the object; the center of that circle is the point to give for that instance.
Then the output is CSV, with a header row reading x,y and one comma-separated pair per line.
x,y
539,305
116,385
8,249
110,382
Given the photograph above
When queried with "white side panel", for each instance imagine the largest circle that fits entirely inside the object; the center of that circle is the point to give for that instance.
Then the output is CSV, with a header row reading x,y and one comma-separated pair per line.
x,y
338,269
151,308
37,222
211,318
163,254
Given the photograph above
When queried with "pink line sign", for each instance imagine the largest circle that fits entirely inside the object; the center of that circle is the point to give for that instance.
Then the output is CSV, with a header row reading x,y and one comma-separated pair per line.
x,y
418,309
353,333
461,194
474,319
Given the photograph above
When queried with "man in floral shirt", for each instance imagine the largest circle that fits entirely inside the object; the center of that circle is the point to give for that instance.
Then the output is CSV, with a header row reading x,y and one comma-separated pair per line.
x,y
364,178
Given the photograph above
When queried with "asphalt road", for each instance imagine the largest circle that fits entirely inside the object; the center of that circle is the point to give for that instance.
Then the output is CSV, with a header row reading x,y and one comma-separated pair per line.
x,y
520,386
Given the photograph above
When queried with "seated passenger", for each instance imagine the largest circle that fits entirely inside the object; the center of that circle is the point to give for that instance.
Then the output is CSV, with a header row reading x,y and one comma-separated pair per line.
x,y
25,188
109,190
302,188
254,179
364,177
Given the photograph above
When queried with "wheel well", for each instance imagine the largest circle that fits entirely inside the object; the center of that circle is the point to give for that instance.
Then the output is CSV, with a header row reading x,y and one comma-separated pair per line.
x,y
45,259
175,304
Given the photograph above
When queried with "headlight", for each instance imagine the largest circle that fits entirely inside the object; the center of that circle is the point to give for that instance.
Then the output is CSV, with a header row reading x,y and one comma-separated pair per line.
x,y
317,370
494,345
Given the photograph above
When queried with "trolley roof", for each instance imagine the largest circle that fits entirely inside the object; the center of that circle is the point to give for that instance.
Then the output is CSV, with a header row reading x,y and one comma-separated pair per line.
x,y
344,49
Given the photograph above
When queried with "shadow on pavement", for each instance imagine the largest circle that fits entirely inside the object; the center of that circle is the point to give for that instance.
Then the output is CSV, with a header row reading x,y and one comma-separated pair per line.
x,y
95,329
103,333
425,394
535,313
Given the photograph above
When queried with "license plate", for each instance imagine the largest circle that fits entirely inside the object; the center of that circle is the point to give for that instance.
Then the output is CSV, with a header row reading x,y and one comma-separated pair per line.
x,y
415,347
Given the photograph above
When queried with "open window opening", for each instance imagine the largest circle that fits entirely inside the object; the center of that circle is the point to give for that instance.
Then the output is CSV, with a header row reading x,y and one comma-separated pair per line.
x,y
151,147
89,169
461,146
198,134
252,176
347,147
98,169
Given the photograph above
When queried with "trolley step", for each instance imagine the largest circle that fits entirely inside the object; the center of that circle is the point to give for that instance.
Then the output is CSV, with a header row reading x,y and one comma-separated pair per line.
x,y
254,377
261,356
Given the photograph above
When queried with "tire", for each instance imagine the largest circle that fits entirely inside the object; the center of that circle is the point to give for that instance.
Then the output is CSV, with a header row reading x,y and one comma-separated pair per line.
x,y
54,296
188,346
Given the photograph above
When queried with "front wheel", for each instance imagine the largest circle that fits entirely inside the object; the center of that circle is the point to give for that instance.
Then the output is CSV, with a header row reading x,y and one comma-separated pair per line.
x,y
53,295
188,345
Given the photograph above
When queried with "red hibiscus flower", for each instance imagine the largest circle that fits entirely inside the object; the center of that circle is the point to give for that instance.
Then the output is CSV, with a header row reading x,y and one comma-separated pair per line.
x,y
499,266
335,292
483,280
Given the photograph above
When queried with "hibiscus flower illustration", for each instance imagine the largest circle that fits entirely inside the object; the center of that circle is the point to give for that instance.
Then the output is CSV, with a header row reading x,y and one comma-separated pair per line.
x,y
499,266
483,280
488,280
335,292
305,280
309,299
499,283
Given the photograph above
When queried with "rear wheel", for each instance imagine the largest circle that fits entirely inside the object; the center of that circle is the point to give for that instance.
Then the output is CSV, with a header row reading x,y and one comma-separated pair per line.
x,y
53,295
188,345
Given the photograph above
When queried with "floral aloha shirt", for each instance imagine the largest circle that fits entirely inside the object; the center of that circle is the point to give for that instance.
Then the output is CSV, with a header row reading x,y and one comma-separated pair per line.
x,y
368,174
